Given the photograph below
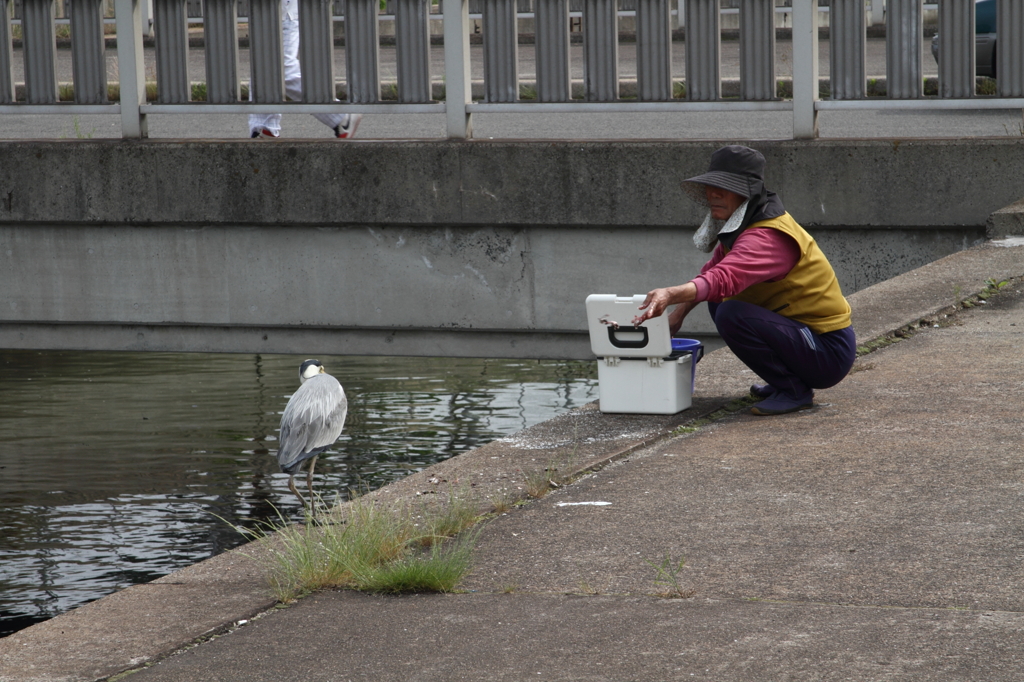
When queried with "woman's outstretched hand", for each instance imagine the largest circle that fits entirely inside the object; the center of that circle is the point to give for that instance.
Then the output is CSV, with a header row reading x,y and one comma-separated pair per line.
x,y
653,306
658,301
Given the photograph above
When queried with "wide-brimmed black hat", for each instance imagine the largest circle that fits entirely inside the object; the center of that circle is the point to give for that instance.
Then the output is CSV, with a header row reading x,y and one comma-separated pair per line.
x,y
735,168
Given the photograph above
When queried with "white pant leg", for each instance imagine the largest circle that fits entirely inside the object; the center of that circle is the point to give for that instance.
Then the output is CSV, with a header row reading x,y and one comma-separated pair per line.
x,y
292,84
272,122
293,72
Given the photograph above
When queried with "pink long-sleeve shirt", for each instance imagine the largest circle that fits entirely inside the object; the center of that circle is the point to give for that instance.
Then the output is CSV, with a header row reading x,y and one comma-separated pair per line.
x,y
759,254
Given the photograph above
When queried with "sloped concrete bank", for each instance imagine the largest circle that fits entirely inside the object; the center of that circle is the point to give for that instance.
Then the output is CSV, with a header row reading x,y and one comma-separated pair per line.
x,y
145,623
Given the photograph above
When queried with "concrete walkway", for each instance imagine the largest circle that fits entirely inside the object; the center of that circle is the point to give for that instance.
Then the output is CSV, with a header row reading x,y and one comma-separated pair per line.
x,y
875,537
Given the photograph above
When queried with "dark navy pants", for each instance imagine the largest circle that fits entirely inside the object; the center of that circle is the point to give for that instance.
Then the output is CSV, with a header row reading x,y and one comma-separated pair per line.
x,y
783,352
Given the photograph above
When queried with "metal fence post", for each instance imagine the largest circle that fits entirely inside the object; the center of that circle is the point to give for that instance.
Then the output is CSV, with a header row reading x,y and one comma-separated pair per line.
x,y
362,51
903,35
456,69
412,50
501,51
220,33
600,51
653,50
170,28
40,47
552,37
847,49
266,52
958,56
6,54
805,69
703,51
757,49
1010,48
88,59
131,67
316,51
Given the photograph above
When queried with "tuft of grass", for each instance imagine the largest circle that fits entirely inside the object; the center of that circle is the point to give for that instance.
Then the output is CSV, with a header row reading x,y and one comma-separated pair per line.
x,y
367,547
503,501
437,569
668,578
79,133
453,518
508,587
389,92
541,481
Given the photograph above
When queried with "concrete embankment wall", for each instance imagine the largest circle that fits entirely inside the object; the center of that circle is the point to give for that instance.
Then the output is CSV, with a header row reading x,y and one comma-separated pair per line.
x,y
427,248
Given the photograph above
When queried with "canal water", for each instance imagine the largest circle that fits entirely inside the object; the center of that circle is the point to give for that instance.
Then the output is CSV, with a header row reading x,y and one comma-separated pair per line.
x,y
118,468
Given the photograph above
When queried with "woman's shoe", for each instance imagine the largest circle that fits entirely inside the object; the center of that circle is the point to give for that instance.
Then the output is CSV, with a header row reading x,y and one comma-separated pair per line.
x,y
783,403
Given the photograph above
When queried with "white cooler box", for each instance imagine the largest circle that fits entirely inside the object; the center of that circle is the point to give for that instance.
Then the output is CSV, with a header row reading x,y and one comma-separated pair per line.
x,y
637,371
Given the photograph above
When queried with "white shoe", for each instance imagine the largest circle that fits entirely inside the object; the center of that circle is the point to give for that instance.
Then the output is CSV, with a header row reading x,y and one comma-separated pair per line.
x,y
345,130
263,133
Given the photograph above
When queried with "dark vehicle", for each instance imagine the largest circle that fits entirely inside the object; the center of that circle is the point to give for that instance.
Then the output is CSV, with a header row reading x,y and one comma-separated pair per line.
x,y
984,38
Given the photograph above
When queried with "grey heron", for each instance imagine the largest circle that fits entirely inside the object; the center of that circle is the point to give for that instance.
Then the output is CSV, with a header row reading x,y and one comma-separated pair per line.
x,y
312,421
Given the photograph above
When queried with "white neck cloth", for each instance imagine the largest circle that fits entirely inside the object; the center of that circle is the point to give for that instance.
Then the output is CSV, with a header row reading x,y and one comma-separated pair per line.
x,y
705,237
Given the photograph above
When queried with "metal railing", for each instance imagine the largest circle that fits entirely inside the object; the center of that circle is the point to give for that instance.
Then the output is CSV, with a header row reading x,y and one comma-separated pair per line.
x,y
501,92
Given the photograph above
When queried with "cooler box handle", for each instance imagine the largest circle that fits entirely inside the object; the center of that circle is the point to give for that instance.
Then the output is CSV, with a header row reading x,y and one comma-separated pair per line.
x,y
626,343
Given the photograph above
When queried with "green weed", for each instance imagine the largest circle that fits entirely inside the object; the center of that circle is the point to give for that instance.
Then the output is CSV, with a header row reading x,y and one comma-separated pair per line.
x,y
503,501
367,547
451,519
668,578
541,481
732,406
389,92
508,587
78,130
994,285
438,569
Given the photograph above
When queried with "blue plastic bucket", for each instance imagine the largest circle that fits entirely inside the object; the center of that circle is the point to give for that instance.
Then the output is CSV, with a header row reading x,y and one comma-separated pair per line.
x,y
694,348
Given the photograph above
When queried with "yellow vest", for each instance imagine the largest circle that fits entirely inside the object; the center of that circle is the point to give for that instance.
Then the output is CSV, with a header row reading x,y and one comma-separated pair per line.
x,y
810,293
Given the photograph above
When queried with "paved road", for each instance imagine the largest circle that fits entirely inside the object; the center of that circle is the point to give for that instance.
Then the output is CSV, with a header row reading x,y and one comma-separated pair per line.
x,y
717,126
725,126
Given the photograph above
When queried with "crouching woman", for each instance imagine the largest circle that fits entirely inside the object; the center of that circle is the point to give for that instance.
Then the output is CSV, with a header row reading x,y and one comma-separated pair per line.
x,y
771,292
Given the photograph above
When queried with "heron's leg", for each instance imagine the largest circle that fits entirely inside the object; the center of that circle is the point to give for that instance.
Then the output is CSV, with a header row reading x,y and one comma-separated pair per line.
x,y
291,486
309,478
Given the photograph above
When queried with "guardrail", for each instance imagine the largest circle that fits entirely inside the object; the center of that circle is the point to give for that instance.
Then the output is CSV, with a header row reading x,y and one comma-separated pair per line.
x,y
703,84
